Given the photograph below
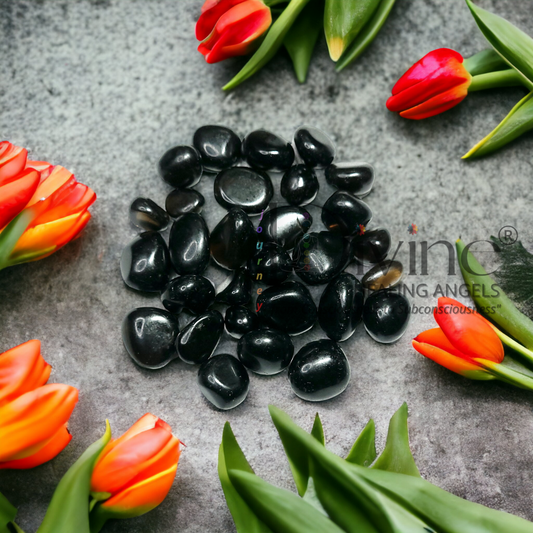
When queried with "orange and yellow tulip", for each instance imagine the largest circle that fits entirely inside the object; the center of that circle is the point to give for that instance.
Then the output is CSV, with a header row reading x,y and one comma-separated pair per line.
x,y
135,472
33,415
42,207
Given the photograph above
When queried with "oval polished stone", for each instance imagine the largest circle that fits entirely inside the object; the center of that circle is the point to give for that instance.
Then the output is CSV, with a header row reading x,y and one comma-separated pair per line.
x,y
191,292
182,201
271,264
345,214
314,147
355,178
181,166
267,151
240,320
189,244
385,275
249,189
238,291
373,246
285,225
265,351
299,185
199,338
386,315
233,240
219,147
287,307
224,381
319,257
149,336
341,307
146,214
319,371
145,263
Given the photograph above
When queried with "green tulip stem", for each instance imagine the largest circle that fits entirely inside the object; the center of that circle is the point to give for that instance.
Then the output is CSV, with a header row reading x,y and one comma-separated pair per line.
x,y
516,346
500,78
271,3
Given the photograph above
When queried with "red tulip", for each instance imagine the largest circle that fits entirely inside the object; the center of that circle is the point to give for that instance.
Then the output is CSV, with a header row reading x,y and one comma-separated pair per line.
x,y
434,84
229,28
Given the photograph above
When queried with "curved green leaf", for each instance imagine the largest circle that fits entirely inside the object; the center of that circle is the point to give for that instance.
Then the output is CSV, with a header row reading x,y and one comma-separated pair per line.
x,y
270,45
318,431
7,514
485,61
363,451
301,39
515,46
68,511
367,34
397,457
517,122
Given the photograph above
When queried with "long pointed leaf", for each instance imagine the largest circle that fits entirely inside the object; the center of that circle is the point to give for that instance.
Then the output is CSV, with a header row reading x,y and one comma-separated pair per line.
x,y
318,431
515,46
7,514
485,61
363,451
271,43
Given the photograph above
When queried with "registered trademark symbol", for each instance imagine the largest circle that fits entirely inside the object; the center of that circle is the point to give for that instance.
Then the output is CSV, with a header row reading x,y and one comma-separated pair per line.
x,y
508,235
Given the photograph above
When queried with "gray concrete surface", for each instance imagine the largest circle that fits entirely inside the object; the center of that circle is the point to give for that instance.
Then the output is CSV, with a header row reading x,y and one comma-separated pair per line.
x,y
104,87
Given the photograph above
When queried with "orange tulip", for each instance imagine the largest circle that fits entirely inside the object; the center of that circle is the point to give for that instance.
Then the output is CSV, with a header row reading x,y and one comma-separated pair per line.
x,y
135,472
42,207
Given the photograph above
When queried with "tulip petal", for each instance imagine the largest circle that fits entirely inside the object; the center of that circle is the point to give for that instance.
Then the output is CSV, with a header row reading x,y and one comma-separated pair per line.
x,y
59,177
12,160
468,331
22,369
436,337
48,452
212,10
30,421
16,193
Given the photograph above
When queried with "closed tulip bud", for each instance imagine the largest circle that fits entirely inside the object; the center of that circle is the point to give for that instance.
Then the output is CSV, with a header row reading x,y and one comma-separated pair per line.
x,y
134,472
434,84
229,28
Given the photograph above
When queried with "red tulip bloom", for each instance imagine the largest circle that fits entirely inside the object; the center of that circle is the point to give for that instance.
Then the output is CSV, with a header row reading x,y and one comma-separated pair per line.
x,y
229,28
436,83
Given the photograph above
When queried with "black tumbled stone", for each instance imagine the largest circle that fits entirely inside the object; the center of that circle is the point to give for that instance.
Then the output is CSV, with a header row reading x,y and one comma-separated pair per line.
x,y
299,185
373,246
270,265
386,315
355,178
238,291
219,147
314,147
266,151
285,225
182,201
345,214
199,338
189,244
146,214
181,166
240,320
191,292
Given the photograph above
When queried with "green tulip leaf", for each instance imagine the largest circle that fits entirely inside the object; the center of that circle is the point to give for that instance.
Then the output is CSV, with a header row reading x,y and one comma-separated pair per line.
x,y
11,234
301,39
515,46
318,431
7,514
367,34
281,510
68,511
343,21
363,451
271,43
484,62
516,123
231,457
397,457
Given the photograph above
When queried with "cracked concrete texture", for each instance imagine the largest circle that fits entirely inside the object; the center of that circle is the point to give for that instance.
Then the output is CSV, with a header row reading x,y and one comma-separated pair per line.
x,y
104,88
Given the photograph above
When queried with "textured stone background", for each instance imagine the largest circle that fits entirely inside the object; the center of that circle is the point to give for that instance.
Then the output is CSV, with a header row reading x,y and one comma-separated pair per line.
x,y
104,87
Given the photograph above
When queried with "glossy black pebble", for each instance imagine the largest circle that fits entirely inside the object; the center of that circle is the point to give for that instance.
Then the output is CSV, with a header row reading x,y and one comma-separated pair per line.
x,y
243,187
224,381
189,244
287,307
270,265
145,263
319,257
356,178
238,291
146,214
345,214
319,371
181,166
265,351
240,320
191,292
314,147
199,338
299,185
285,225
341,307
373,246
266,151
233,240
386,315
149,336
219,147
182,201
